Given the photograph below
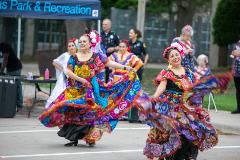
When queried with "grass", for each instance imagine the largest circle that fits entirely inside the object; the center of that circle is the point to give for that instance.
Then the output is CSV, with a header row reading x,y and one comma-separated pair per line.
x,y
225,101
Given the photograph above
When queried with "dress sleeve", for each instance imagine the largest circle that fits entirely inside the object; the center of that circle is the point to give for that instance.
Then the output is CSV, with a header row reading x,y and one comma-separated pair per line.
x,y
60,60
71,63
117,41
144,48
103,58
160,77
136,62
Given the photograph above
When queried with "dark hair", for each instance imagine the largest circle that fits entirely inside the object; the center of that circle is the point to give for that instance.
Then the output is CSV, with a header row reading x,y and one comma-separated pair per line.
x,y
87,30
136,31
167,51
86,35
6,48
125,42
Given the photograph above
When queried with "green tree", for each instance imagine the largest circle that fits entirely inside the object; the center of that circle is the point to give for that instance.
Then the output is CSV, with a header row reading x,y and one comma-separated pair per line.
x,y
226,27
122,4
184,9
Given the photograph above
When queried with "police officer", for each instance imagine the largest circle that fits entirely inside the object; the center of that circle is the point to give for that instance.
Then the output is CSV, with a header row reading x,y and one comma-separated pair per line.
x,y
110,41
138,48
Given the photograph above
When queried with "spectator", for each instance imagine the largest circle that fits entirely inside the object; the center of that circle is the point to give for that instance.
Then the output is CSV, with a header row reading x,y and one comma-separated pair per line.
x,y
202,69
236,74
186,46
13,66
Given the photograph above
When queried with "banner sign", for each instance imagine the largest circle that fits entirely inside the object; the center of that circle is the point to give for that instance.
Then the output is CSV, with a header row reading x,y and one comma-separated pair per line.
x,y
51,9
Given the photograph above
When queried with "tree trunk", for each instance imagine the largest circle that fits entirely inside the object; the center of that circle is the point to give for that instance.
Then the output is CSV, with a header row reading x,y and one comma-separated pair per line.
x,y
223,56
171,33
75,28
185,13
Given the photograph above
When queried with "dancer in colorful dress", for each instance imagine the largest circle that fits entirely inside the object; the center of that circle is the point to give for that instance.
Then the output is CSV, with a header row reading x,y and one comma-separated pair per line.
x,y
140,50
60,63
202,69
185,46
88,106
124,57
236,74
179,127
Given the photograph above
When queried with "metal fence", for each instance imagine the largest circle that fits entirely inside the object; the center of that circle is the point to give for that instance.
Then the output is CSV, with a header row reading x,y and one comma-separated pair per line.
x,y
158,31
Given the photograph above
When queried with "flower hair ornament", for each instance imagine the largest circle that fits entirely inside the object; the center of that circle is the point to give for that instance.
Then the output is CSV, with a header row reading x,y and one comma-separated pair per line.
x,y
74,41
94,37
169,49
95,41
127,44
187,30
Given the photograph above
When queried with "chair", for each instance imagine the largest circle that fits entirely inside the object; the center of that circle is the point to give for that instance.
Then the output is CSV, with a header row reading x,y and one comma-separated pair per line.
x,y
211,98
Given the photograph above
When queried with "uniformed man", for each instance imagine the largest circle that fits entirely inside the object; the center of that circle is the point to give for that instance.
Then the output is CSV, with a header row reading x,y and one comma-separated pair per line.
x,y
110,41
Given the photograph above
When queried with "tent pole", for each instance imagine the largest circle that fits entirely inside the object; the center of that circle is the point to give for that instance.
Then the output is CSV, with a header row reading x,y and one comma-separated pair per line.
x,y
19,36
99,26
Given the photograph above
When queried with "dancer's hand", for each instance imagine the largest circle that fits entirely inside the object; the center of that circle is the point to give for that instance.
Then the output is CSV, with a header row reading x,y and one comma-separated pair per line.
x,y
128,68
86,84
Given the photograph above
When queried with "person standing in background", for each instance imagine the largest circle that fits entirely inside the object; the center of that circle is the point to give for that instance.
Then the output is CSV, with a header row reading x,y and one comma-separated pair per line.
x,y
14,68
236,74
110,42
186,46
138,48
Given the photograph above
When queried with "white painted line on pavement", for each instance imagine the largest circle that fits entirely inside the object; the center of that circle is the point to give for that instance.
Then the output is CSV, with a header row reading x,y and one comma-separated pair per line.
x,y
76,153
54,130
226,147
96,152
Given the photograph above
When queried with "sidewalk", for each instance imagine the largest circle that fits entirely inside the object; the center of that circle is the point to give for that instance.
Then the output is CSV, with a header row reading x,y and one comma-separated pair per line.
x,y
225,121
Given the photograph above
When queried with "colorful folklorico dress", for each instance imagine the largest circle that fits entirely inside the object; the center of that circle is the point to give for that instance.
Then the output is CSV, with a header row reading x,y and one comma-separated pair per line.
x,y
127,59
97,108
175,117
60,86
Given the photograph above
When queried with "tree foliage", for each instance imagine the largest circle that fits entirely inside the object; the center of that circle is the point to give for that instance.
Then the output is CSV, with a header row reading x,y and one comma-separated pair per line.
x,y
226,22
122,4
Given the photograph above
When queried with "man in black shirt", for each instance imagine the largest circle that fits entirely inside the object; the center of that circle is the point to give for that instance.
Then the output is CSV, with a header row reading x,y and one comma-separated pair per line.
x,y
110,41
13,66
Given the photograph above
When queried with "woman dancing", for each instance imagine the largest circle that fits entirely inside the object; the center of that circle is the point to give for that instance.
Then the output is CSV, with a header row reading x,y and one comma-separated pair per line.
x,y
179,127
124,57
88,106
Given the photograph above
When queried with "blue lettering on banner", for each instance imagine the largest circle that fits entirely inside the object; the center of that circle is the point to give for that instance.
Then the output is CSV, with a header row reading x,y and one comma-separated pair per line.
x,y
20,6
77,9
51,8
3,5
37,7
